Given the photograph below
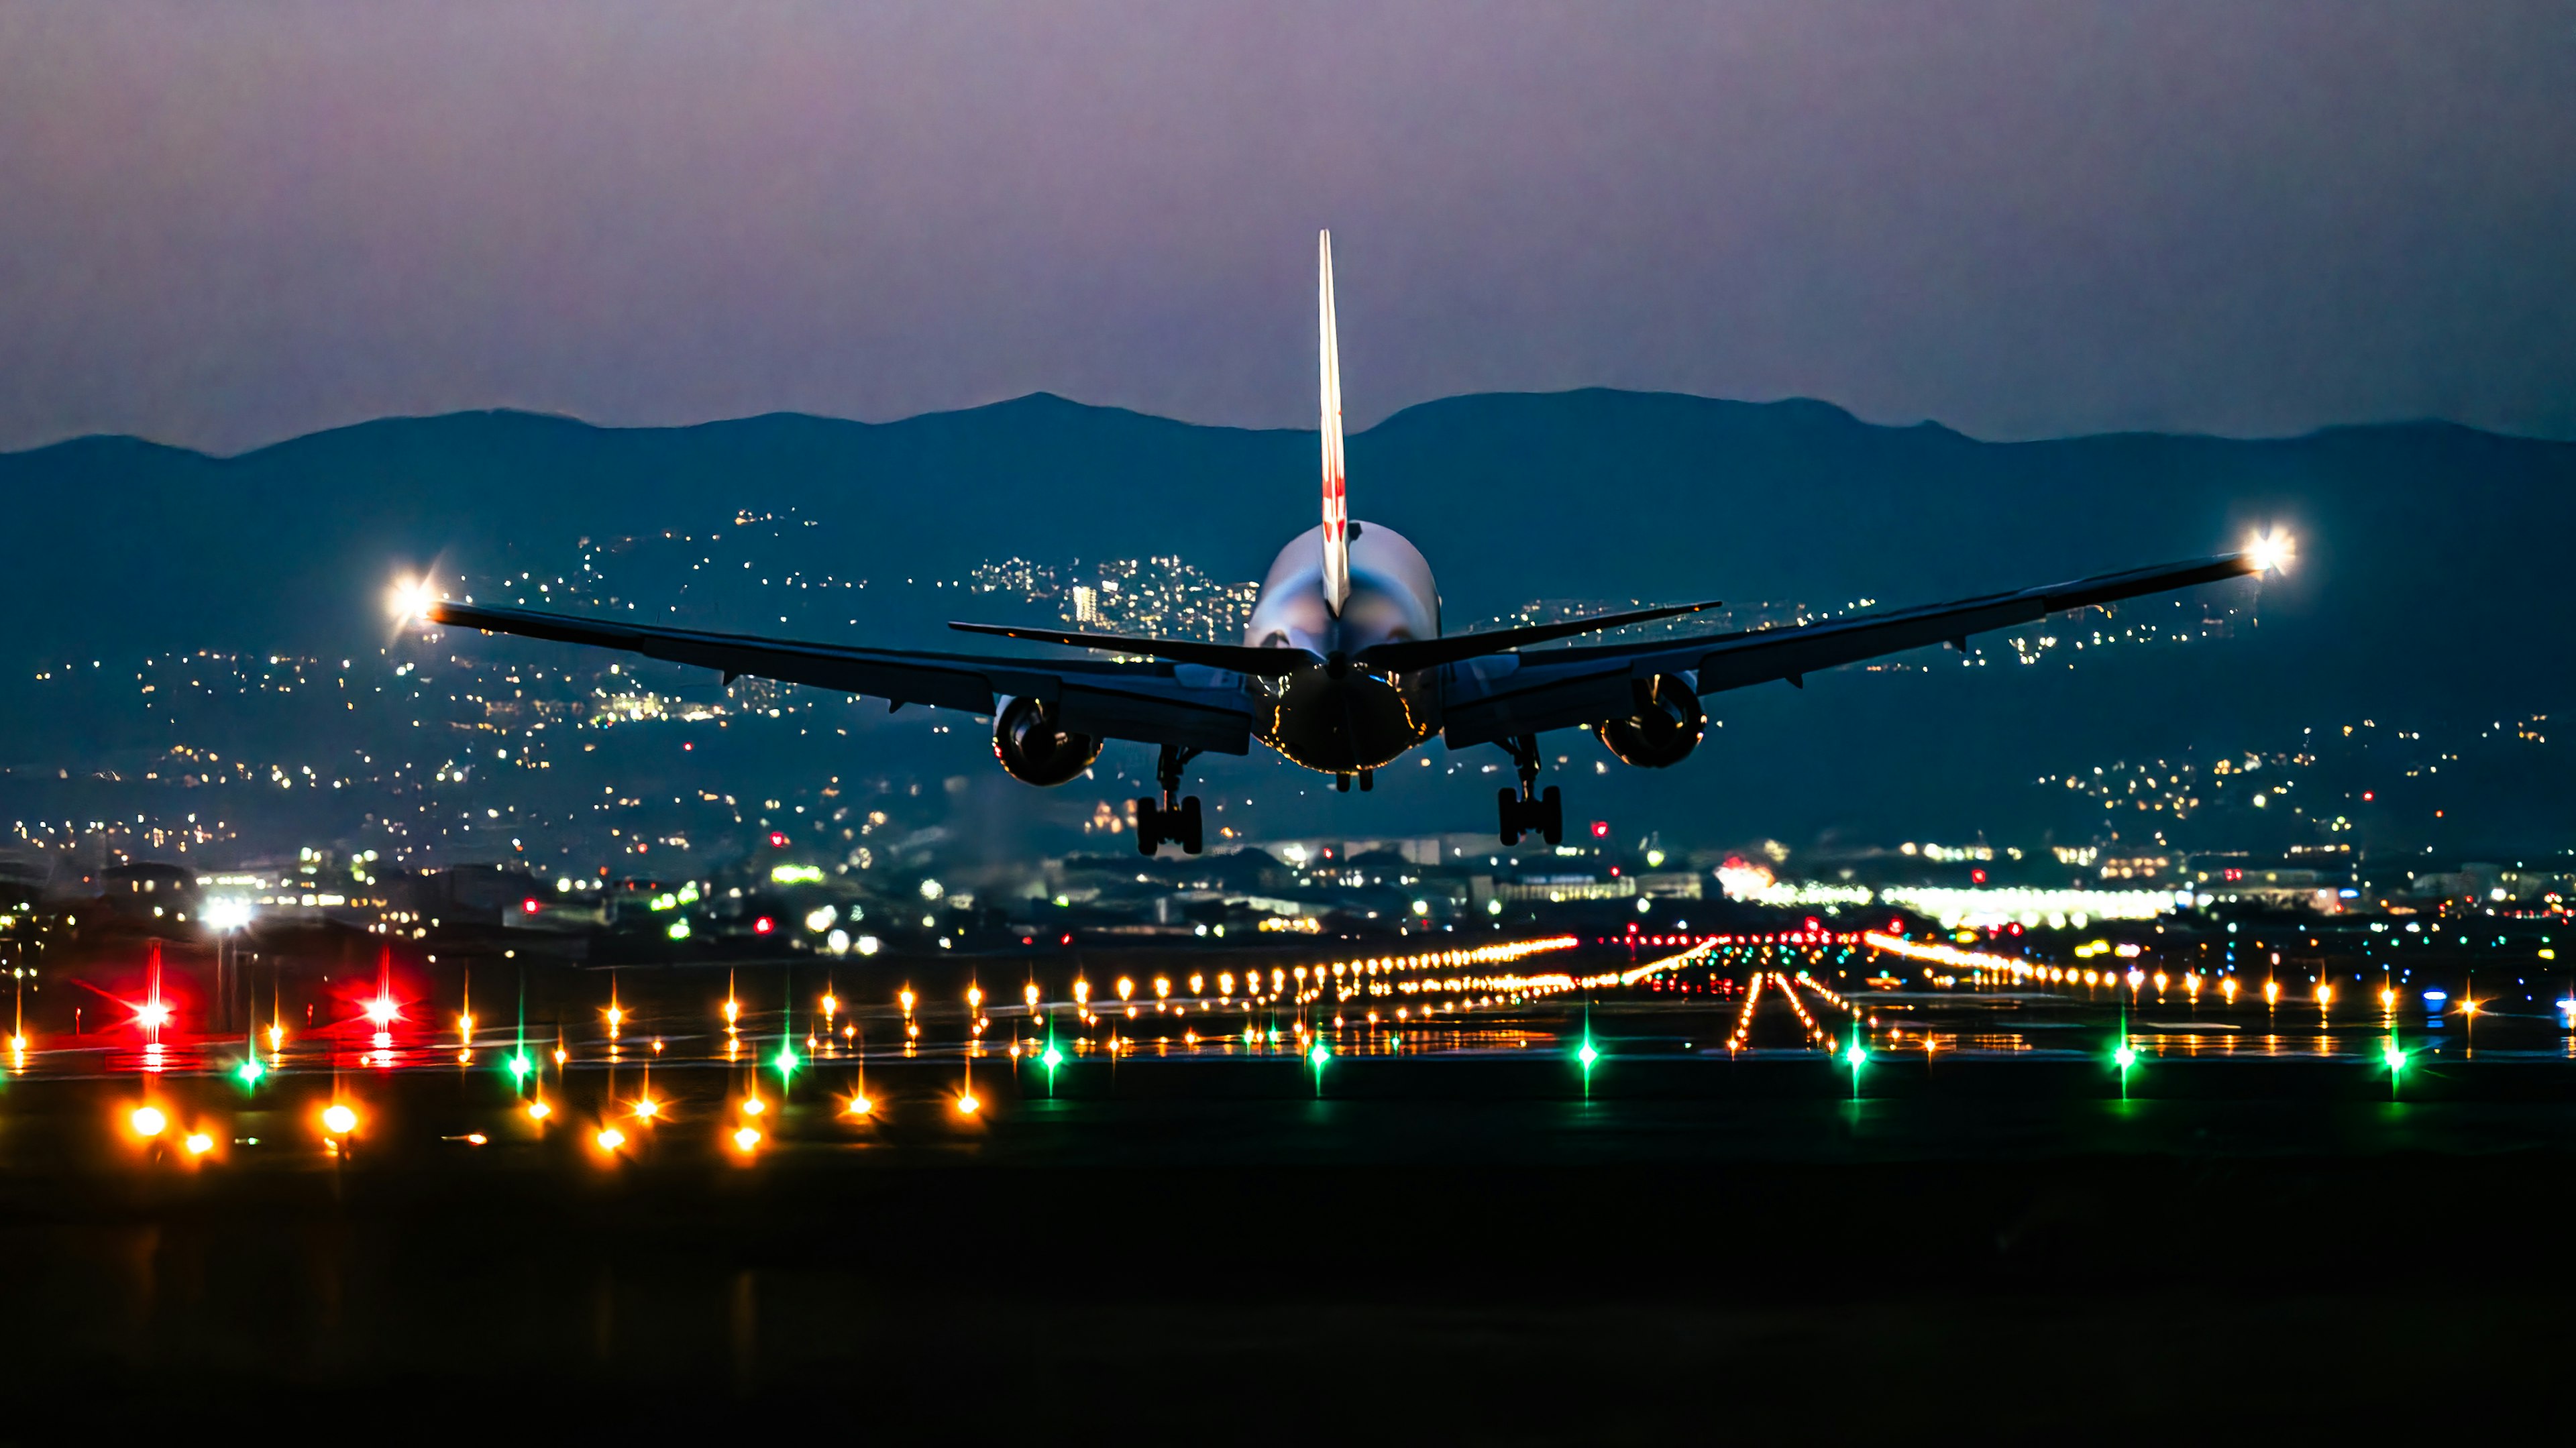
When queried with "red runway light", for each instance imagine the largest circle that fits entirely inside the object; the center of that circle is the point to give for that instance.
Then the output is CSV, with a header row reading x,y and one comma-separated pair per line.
x,y
777,840
1600,829
529,905
763,925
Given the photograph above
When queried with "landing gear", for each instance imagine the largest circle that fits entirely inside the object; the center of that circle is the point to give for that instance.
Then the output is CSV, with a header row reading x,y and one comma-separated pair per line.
x,y
1169,819
1367,777
1526,811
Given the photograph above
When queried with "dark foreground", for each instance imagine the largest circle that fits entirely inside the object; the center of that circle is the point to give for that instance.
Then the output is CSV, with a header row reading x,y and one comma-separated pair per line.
x,y
1453,1264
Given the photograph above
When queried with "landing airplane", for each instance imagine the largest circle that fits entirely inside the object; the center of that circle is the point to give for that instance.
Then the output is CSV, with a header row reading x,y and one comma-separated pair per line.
x,y
1343,667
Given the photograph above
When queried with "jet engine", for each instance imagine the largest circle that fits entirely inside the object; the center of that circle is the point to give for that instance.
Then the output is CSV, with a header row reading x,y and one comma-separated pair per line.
x,y
1665,729
1034,749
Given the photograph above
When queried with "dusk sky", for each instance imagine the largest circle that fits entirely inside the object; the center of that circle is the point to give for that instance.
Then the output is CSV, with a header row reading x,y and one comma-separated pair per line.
x,y
223,225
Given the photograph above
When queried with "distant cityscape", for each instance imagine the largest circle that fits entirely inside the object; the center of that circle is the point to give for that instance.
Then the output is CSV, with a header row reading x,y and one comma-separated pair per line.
x,y
450,776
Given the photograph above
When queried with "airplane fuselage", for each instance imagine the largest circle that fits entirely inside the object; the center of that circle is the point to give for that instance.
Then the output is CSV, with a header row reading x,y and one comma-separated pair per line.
x,y
1339,717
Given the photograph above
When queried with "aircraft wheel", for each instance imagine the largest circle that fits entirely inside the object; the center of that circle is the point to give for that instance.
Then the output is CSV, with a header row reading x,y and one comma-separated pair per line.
x,y
1509,801
1551,816
1149,826
1187,828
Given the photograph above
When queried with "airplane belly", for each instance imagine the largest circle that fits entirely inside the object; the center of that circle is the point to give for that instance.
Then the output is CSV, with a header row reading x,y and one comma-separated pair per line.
x,y
1358,721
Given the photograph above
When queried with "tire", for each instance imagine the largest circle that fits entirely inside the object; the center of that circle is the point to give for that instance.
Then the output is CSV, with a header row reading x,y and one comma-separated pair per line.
x,y
1149,826
1509,803
1551,816
1188,826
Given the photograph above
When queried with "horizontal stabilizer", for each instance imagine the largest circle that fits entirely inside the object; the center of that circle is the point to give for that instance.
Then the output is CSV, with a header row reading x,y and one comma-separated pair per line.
x,y
1240,658
1404,655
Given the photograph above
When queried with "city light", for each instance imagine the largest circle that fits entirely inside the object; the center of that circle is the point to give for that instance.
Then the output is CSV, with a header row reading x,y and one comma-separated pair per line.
x,y
148,1122
199,1143
339,1119
746,1139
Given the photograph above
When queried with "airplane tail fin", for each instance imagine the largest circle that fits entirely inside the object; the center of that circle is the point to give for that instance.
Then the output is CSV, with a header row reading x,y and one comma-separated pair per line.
x,y
1337,511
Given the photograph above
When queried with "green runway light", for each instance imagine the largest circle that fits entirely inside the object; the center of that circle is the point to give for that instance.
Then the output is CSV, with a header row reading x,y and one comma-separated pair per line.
x,y
249,1071
519,1066
787,1062
2123,1055
1587,1055
2395,1056
1319,1055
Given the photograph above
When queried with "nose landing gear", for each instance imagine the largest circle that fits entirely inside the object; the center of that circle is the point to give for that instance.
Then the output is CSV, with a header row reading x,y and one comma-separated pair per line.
x,y
1528,812
1169,819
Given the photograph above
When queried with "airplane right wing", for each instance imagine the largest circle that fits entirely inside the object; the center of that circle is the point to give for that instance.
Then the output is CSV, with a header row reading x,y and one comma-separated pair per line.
x,y
1500,696
1187,704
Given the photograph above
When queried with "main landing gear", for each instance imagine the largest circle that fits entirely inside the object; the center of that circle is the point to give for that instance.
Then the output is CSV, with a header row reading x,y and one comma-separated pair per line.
x,y
1169,819
1526,812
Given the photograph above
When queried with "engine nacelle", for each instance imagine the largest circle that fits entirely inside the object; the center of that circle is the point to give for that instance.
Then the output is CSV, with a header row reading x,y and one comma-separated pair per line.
x,y
1665,729
1033,750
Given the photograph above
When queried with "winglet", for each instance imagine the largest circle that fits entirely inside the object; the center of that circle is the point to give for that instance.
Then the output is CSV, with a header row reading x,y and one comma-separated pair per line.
x,y
1337,508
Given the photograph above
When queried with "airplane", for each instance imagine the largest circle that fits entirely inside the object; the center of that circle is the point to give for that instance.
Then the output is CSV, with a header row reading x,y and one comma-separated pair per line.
x,y
1343,667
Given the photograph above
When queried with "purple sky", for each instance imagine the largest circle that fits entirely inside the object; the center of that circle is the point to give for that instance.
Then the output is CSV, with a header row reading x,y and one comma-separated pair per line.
x,y
227,224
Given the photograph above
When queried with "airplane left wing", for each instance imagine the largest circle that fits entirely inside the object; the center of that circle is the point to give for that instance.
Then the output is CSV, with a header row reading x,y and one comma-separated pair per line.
x,y
1503,695
1190,705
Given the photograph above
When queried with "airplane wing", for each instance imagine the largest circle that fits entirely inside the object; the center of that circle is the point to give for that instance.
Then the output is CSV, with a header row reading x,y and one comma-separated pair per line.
x,y
1500,696
1157,703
